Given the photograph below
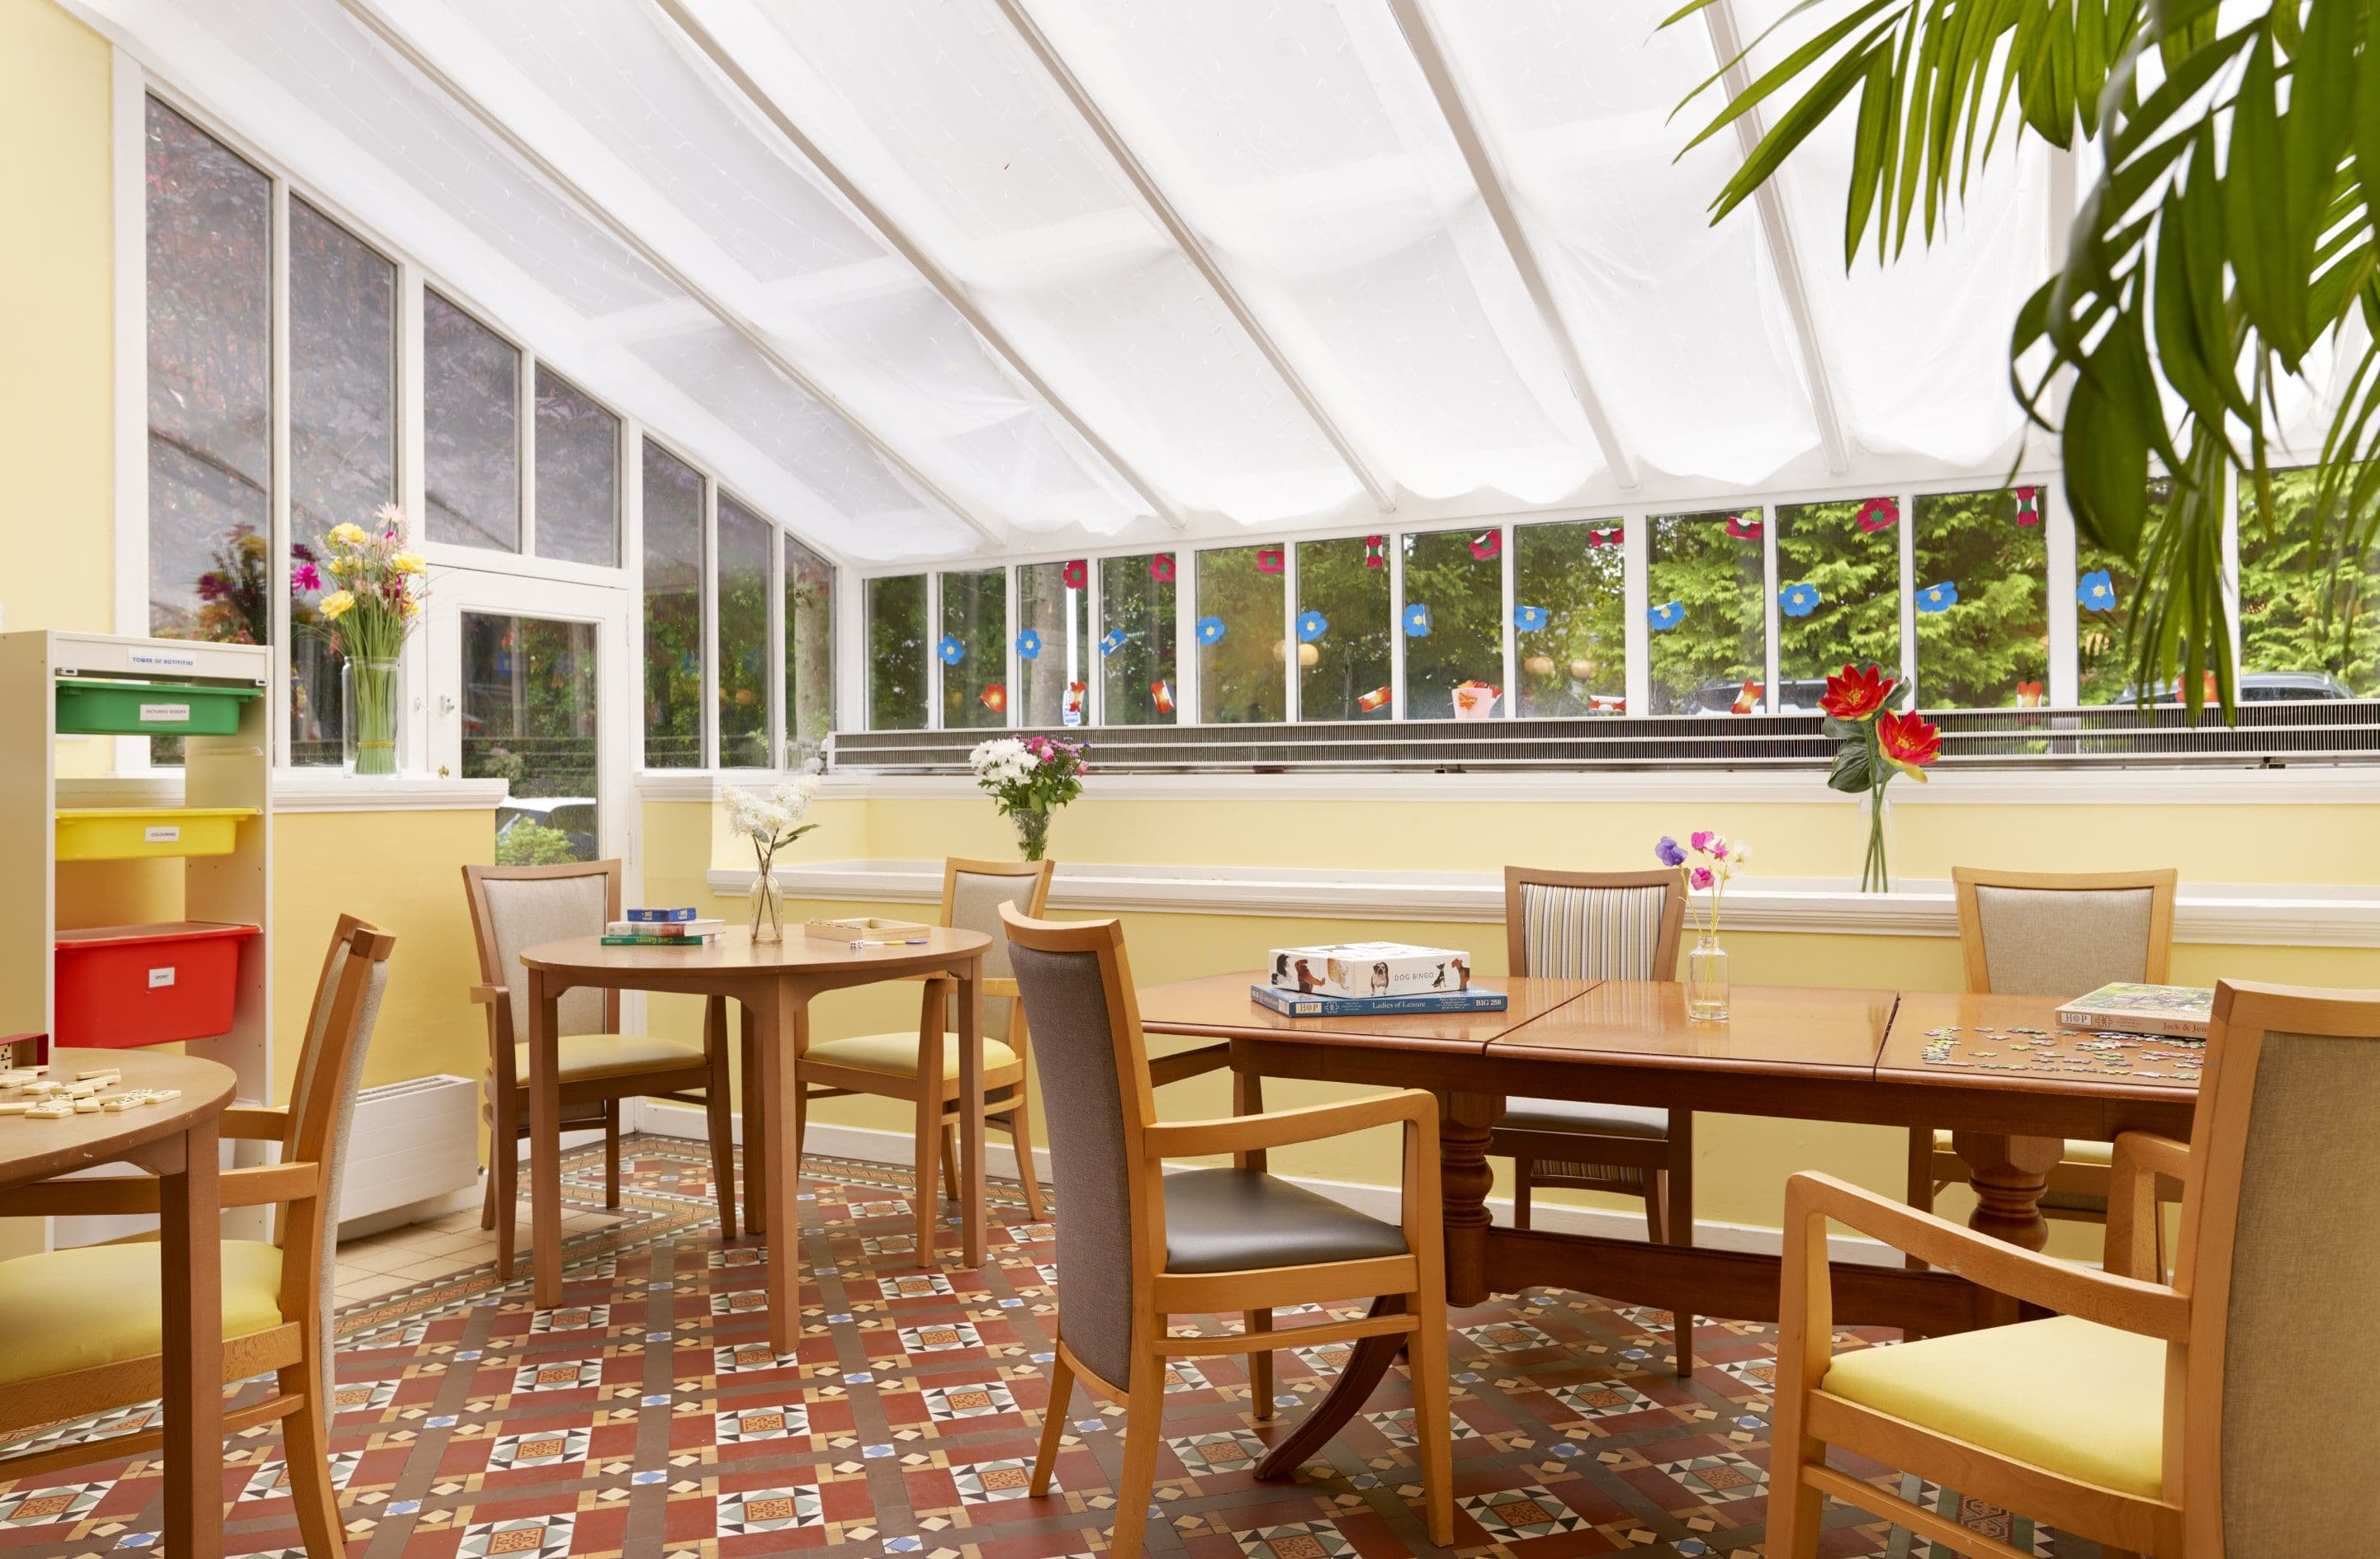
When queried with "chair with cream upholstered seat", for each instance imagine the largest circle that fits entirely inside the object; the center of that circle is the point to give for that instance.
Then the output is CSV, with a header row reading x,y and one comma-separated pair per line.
x,y
2180,1421
1600,926
517,908
2056,934
889,1066
81,1329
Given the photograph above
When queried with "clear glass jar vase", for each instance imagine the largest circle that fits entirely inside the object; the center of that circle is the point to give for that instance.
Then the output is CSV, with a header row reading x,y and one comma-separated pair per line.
x,y
1032,832
767,903
369,702
1707,997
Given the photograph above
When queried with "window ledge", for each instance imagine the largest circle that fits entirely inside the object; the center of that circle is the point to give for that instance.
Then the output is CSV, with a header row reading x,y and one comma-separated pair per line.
x,y
2249,914
299,791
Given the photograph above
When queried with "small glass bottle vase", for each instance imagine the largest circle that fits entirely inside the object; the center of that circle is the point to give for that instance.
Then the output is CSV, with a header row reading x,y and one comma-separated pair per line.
x,y
1706,980
369,694
768,906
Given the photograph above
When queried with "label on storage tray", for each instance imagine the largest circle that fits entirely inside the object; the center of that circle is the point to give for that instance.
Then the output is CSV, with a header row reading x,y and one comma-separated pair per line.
x,y
163,657
159,978
162,833
158,714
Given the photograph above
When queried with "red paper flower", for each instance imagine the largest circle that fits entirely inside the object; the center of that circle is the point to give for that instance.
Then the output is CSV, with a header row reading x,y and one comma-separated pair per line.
x,y
1486,547
1741,528
1161,568
1375,700
994,696
1878,513
1268,560
1376,551
2028,506
1161,693
1747,700
2028,695
1075,575
1909,742
1611,538
1857,694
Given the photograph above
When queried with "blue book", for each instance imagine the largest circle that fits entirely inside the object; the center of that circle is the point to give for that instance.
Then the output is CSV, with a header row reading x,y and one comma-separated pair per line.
x,y
686,913
1289,1004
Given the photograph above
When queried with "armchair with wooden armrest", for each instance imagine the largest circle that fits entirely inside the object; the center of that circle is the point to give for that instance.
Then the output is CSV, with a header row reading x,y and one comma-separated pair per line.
x,y
95,1309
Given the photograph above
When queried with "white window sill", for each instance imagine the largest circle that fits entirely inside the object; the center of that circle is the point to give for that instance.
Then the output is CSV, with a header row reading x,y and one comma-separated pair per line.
x,y
302,790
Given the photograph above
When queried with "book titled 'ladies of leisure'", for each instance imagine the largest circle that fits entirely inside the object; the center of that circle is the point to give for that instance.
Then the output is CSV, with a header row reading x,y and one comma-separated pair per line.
x,y
1289,1004
2178,1011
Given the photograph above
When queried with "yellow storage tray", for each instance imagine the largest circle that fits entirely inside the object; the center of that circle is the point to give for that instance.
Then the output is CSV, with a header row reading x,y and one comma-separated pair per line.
x,y
137,833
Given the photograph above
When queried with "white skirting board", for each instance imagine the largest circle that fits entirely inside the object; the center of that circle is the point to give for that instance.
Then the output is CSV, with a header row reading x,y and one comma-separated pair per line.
x,y
664,1119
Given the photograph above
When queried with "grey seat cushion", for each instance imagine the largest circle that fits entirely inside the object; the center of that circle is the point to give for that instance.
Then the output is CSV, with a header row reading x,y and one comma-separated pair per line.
x,y
1568,1115
1240,1220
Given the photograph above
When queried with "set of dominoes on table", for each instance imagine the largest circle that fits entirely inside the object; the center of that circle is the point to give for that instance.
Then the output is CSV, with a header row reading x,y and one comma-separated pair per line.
x,y
26,1091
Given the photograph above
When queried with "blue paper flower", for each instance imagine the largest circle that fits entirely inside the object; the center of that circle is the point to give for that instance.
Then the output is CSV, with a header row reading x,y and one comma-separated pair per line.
x,y
1113,642
1417,621
1028,645
1938,597
1311,625
2095,591
1799,600
1666,616
1210,630
1528,619
950,650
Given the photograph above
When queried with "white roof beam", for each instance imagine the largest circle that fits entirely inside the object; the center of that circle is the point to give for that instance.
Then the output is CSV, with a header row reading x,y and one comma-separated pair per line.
x,y
1429,52
1777,231
1193,244
368,14
730,63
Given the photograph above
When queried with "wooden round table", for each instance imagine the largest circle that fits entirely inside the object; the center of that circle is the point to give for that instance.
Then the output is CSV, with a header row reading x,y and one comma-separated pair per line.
x,y
177,1142
774,983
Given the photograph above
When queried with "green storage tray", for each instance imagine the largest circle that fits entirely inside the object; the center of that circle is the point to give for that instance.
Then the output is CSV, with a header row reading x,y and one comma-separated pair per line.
x,y
96,707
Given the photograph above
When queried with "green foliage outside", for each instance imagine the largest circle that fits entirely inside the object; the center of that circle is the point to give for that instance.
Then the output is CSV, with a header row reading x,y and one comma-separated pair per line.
x,y
975,613
1856,574
896,653
1240,675
745,540
2297,611
1582,652
1353,657
1718,583
1466,597
810,649
533,844
1046,607
1997,635
1133,598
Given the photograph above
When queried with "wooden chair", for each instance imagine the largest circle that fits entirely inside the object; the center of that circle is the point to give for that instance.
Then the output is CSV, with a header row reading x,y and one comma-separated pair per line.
x,y
1137,1246
2188,1421
2060,934
1600,926
514,908
96,1307
889,1066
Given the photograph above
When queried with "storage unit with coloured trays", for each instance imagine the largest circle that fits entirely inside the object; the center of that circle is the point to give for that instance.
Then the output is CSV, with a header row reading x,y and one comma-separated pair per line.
x,y
135,899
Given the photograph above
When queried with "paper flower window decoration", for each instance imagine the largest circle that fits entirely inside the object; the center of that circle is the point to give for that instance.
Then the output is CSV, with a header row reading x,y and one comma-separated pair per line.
x,y
1268,560
1114,641
2028,695
1610,537
1667,616
1747,699
2095,591
1376,551
1311,625
994,697
1161,568
1938,597
1528,619
1486,547
2028,505
1741,528
1878,513
950,650
1028,645
1417,621
1161,693
1799,599
1210,630
1075,575
1374,701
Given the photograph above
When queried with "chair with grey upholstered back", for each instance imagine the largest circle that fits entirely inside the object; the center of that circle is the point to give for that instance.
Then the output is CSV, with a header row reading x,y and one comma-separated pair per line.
x,y
1600,926
1137,1246
889,1066
2149,1417
517,908
2057,934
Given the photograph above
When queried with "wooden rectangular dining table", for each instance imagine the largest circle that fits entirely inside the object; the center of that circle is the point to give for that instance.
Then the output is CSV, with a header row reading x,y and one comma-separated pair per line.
x,y
1803,1053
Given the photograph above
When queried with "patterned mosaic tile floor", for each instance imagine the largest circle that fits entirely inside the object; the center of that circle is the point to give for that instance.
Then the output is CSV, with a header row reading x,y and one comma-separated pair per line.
x,y
649,1417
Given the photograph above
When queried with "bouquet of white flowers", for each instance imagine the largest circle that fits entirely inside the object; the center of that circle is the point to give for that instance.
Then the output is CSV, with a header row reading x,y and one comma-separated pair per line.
x,y
1029,777
771,821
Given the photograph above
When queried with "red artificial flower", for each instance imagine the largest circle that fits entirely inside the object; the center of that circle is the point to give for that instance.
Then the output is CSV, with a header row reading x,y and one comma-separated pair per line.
x,y
1909,742
1075,575
1161,568
1268,560
1857,694
1611,538
1376,551
1878,513
1486,547
1742,529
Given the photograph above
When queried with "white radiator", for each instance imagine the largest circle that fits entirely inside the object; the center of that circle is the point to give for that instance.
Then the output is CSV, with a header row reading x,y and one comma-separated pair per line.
x,y
413,1143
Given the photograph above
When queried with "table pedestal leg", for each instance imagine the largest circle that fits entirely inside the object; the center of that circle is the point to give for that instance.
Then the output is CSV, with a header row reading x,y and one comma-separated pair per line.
x,y
190,1264
780,1170
1367,1362
545,1137
2008,1175
1464,1179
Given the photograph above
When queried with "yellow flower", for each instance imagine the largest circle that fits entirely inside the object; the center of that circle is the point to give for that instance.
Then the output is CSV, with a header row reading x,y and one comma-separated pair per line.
x,y
348,535
407,563
336,605
342,565
412,606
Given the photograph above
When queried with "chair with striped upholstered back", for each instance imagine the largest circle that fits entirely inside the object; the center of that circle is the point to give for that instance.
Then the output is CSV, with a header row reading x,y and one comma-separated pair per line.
x,y
1600,926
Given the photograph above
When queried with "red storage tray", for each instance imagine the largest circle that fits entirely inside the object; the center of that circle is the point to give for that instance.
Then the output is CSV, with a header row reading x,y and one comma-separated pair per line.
x,y
119,987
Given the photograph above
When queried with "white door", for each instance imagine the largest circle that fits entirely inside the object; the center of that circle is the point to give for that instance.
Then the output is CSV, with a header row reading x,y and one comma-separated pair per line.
x,y
531,681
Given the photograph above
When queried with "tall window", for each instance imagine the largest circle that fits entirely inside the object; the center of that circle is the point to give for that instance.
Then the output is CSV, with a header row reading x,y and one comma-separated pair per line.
x,y
1707,608
674,575
746,541
471,456
2308,620
1344,618
896,653
1982,575
577,475
809,652
1137,660
210,268
2102,599
1238,634
1838,594
1053,643
973,649
1452,620
1569,618
342,442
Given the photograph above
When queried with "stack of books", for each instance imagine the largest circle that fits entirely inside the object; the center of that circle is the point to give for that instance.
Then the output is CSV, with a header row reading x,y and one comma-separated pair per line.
x,y
1372,979
662,928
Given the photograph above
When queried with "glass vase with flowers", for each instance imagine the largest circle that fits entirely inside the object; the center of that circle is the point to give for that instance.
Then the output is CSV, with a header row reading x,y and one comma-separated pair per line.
x,y
771,822
1876,742
378,587
1705,863
1029,777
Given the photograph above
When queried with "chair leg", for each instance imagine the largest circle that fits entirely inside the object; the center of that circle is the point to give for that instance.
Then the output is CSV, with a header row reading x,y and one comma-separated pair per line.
x,y
1432,1428
951,1162
1260,1368
1020,1134
1053,1423
1679,1195
928,1145
1657,1205
1143,1434
718,1112
306,1448
487,1188
610,1153
1521,1164
1920,1193
504,1171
